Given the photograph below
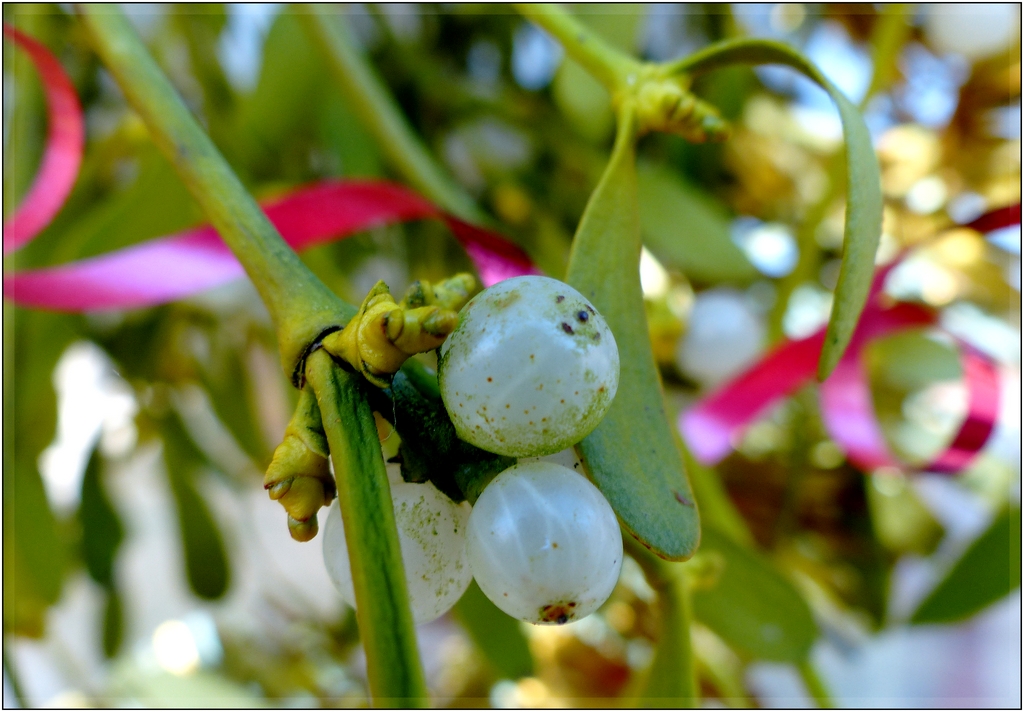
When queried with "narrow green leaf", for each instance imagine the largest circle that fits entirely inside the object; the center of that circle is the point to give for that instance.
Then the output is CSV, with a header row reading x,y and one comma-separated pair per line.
x,y
752,606
206,561
369,99
863,192
33,554
497,635
987,571
102,531
382,601
632,455
687,229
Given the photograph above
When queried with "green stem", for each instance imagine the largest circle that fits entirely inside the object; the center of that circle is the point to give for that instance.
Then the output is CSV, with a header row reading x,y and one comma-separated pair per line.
x,y
381,115
610,66
815,685
301,305
378,576
672,676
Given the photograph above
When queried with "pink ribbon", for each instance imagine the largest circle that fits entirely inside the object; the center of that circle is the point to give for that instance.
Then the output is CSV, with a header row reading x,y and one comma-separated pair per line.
x,y
63,154
713,427
169,268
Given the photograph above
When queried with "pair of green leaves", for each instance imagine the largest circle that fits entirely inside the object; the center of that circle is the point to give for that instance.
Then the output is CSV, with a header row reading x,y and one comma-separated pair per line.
x,y
631,456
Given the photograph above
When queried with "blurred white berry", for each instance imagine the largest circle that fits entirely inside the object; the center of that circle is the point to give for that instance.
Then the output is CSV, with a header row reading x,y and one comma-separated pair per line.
x,y
724,336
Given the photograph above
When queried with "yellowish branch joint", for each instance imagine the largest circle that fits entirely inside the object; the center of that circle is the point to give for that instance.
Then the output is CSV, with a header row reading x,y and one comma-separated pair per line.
x,y
384,334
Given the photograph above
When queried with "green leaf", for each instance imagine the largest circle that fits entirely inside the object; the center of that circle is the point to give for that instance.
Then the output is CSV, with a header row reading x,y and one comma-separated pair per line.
x,y
113,623
287,97
206,561
987,571
102,531
863,192
752,606
227,380
687,229
382,600
33,553
497,635
632,455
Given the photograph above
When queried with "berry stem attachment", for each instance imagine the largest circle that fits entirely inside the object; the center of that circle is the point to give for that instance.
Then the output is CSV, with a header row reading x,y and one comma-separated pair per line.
x,y
299,476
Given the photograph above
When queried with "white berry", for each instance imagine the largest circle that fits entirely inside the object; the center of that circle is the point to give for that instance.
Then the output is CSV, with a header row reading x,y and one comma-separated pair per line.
x,y
432,536
544,544
531,368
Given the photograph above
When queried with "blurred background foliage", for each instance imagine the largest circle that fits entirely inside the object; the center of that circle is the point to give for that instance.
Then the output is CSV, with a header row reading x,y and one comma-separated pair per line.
x,y
144,564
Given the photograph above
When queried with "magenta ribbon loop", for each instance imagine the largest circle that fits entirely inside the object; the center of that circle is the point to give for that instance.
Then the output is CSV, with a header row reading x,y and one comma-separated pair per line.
x,y
62,155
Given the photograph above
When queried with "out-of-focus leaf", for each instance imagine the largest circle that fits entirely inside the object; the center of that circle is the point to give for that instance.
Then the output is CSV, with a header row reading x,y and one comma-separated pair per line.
x,y
345,136
670,681
685,228
155,203
34,556
901,521
113,623
584,101
752,606
102,531
227,383
987,571
202,25
496,634
863,193
632,455
206,561
287,95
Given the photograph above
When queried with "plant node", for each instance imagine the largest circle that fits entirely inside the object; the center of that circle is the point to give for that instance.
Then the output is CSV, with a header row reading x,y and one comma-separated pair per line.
x,y
384,334
666,104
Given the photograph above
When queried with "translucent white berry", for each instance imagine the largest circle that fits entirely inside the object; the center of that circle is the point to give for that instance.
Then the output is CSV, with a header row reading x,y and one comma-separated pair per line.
x,y
531,368
432,535
544,544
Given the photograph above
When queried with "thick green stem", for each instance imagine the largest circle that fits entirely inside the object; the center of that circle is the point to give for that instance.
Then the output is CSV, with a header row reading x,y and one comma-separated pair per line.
x,y
815,685
378,577
301,305
381,115
610,66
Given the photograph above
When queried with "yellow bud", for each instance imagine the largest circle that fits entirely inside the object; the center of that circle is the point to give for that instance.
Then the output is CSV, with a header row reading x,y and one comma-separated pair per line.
x,y
299,475
383,334
667,105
